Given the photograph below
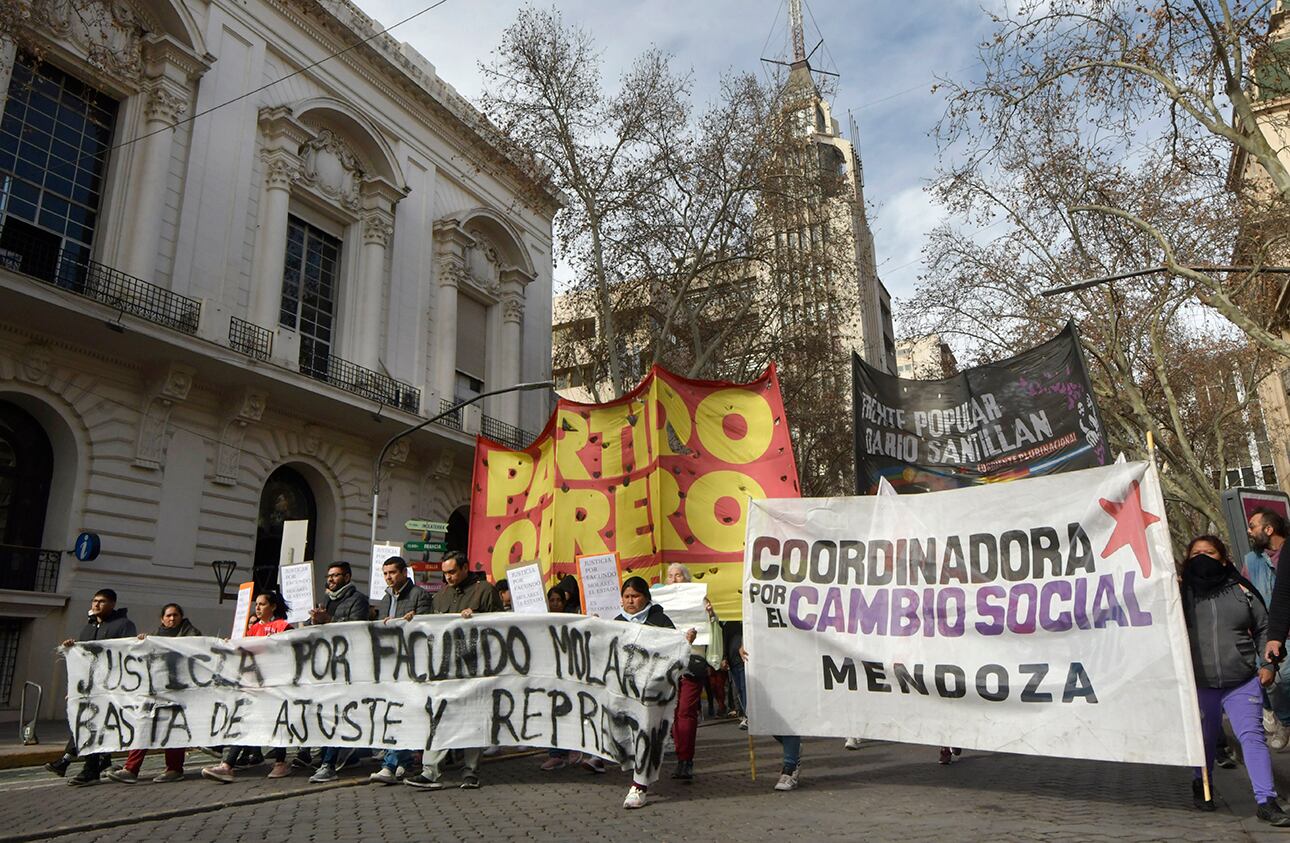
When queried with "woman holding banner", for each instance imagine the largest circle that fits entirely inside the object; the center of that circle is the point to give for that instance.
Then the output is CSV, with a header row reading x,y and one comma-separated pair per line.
x,y
1227,625
639,607
173,625
270,619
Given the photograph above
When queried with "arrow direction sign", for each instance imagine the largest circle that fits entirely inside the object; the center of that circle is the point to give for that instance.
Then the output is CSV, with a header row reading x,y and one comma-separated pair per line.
x,y
425,547
426,526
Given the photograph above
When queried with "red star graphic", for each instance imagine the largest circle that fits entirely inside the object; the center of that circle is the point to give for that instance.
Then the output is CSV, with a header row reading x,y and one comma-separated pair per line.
x,y
1131,523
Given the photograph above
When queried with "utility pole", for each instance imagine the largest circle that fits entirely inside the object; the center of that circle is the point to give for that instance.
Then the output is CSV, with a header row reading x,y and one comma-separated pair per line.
x,y
795,22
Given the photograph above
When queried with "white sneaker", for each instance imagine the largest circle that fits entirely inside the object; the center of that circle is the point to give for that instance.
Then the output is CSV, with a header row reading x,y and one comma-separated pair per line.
x,y
787,781
852,743
635,798
491,750
1269,721
384,776
1279,738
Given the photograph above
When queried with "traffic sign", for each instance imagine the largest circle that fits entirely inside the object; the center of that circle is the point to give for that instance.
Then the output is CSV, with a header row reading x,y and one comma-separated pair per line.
x,y
426,526
425,547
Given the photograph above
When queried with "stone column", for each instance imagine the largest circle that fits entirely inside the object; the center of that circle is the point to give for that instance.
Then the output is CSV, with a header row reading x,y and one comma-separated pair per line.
x,y
282,136
378,227
511,345
168,71
451,243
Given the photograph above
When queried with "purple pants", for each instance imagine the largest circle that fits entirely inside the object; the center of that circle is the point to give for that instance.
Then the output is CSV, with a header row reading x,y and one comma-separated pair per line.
x,y
1244,707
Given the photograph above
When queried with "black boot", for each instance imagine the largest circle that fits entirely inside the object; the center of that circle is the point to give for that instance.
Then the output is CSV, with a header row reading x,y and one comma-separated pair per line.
x,y
679,772
689,771
1198,796
59,767
1270,812
89,773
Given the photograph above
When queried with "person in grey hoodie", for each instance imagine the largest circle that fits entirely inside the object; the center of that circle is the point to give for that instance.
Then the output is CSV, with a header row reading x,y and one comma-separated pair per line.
x,y
1227,625
105,621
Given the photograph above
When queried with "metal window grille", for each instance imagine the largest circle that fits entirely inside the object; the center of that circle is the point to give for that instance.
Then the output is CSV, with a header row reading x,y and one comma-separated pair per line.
x,y
29,568
453,419
354,378
10,636
250,339
507,434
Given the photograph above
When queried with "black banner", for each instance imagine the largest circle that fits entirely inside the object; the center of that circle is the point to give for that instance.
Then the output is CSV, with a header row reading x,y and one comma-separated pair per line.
x,y
1028,415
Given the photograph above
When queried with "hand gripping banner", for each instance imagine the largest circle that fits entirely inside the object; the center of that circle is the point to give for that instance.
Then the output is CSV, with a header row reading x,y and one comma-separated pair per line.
x,y
1029,415
603,687
661,475
1040,617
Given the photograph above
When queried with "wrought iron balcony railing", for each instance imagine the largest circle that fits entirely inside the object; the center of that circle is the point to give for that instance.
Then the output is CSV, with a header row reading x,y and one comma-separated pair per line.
x,y
453,419
71,270
354,378
507,434
29,568
250,339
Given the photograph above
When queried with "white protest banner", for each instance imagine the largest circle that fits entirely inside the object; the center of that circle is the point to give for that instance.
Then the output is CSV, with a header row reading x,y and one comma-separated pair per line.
x,y
295,535
528,596
242,611
380,553
567,681
682,602
601,594
297,584
1039,616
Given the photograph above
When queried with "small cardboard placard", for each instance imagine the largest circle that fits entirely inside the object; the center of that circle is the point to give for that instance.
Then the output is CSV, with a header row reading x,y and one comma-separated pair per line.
x,y
297,582
600,585
527,594
242,610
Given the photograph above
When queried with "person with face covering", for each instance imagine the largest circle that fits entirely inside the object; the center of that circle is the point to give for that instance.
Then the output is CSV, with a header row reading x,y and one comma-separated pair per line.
x,y
173,625
1227,627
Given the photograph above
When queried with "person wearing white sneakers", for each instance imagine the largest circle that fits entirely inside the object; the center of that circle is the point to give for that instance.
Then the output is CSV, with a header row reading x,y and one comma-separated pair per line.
x,y
791,745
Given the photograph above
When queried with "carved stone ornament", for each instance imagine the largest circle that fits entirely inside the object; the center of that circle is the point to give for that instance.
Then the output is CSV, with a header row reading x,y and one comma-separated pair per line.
x,y
378,228
246,408
109,33
310,440
165,105
35,364
170,388
443,464
453,274
513,308
280,171
398,453
332,169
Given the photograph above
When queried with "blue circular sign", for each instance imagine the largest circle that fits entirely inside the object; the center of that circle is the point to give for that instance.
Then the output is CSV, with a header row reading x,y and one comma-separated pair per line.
x,y
87,547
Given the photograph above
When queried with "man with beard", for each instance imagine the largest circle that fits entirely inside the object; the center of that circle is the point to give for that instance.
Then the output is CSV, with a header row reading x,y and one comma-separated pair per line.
x,y
1267,532
344,603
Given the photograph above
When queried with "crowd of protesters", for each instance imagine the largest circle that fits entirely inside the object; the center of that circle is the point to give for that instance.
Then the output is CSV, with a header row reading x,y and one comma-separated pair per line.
x,y
715,669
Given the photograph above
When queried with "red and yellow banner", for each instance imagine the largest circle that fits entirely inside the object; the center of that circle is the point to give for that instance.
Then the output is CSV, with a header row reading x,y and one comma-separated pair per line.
x,y
661,475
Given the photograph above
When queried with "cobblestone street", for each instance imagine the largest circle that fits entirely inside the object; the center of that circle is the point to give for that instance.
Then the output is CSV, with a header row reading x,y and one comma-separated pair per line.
x,y
879,792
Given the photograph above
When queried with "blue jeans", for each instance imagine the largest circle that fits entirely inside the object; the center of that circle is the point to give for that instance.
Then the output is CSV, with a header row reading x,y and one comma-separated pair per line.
x,y
1279,693
792,745
741,693
396,758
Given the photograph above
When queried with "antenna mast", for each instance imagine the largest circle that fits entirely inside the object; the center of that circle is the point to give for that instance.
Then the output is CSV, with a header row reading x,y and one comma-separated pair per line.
x,y
795,24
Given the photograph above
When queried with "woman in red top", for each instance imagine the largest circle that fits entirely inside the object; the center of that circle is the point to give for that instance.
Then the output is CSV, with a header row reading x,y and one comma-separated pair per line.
x,y
270,619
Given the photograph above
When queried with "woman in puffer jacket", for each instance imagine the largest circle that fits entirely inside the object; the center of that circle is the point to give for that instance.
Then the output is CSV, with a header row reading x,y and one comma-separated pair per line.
x,y
1227,625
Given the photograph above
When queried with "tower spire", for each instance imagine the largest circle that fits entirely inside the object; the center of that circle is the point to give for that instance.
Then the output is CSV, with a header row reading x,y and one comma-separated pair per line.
x,y
795,24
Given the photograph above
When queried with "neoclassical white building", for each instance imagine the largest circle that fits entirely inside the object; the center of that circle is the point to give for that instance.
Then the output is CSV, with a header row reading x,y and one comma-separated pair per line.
x,y
220,296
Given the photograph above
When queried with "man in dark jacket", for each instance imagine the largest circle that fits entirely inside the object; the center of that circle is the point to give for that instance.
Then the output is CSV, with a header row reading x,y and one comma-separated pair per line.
x,y
344,603
403,598
462,595
105,621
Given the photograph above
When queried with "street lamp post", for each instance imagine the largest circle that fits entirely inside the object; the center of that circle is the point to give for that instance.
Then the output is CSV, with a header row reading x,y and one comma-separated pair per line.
x,y
376,466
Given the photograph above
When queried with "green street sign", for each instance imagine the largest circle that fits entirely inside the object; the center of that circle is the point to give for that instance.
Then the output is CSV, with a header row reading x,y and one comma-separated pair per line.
x,y
425,547
426,526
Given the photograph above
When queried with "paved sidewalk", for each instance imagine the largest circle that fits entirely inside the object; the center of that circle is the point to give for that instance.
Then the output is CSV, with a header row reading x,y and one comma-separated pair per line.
x,y
880,792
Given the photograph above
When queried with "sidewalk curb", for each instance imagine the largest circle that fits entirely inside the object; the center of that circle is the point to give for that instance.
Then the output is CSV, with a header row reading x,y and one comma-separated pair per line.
x,y
29,757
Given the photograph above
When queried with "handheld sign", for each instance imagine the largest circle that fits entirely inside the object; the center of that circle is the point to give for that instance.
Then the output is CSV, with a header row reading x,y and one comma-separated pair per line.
x,y
242,611
380,553
527,594
294,536
600,587
297,583
683,604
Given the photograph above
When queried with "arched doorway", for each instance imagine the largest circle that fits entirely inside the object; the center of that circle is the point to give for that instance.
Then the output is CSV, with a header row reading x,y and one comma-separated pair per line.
x,y
287,496
26,473
458,535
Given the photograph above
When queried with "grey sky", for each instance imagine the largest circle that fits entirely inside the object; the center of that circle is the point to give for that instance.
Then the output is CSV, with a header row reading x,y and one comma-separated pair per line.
x,y
887,53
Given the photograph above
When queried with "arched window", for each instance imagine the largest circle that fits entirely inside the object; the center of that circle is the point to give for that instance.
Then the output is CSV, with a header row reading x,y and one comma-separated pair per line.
x,y
26,470
286,497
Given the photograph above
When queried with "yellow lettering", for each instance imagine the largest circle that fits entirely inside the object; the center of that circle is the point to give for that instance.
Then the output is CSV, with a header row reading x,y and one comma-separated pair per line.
x,y
720,531
580,534
522,533
631,520
509,474
669,408
571,432
543,482
710,418
667,505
